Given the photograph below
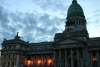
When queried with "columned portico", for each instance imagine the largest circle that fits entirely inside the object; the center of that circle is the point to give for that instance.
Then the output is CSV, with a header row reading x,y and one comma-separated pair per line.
x,y
61,57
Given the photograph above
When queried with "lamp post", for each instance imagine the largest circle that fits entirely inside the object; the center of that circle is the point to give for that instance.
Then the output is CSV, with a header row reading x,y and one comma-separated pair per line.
x,y
94,59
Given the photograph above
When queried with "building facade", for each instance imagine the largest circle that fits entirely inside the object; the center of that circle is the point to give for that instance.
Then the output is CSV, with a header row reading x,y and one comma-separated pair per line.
x,y
71,48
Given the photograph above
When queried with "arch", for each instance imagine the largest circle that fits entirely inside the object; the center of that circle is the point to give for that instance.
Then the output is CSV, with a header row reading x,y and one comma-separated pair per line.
x,y
8,63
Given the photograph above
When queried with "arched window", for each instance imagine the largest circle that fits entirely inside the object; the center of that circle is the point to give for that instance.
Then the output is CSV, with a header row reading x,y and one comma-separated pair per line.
x,y
8,56
50,56
9,47
8,63
13,63
12,56
4,63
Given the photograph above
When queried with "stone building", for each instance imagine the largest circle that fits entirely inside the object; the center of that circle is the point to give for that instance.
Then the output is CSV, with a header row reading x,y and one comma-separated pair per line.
x,y
71,48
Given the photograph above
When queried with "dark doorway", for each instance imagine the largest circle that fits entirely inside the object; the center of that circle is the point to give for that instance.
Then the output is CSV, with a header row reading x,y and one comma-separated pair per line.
x,y
75,63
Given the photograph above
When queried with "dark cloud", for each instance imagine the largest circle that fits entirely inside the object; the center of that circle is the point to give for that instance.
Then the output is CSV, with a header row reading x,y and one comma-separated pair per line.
x,y
53,6
3,22
47,27
39,25
31,27
3,15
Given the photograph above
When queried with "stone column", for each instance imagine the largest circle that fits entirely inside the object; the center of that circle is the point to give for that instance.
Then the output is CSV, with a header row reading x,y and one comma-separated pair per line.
x,y
97,59
77,57
91,57
65,58
17,60
41,60
54,58
31,60
84,60
60,57
36,59
86,56
46,60
71,58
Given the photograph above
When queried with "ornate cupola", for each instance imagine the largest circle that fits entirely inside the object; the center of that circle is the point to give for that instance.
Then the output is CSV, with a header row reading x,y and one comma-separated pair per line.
x,y
75,9
76,21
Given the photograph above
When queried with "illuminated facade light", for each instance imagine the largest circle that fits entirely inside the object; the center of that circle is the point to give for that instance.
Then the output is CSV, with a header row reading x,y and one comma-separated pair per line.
x,y
28,62
94,59
49,62
39,62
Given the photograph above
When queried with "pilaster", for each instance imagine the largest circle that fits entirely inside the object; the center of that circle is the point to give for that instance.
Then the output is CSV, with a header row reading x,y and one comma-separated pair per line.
x,y
65,58
71,58
60,57
77,56
17,60
97,59
54,58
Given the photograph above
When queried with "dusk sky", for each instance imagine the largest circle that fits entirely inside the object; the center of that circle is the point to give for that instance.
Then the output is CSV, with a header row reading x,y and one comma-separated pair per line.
x,y
39,20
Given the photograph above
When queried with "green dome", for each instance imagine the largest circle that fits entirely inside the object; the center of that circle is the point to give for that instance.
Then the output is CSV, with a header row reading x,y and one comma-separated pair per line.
x,y
75,8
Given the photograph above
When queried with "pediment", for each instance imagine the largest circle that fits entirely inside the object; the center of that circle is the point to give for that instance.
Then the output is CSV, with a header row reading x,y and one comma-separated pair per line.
x,y
68,41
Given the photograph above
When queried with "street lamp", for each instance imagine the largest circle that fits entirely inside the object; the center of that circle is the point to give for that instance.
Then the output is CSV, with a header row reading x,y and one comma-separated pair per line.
x,y
94,59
